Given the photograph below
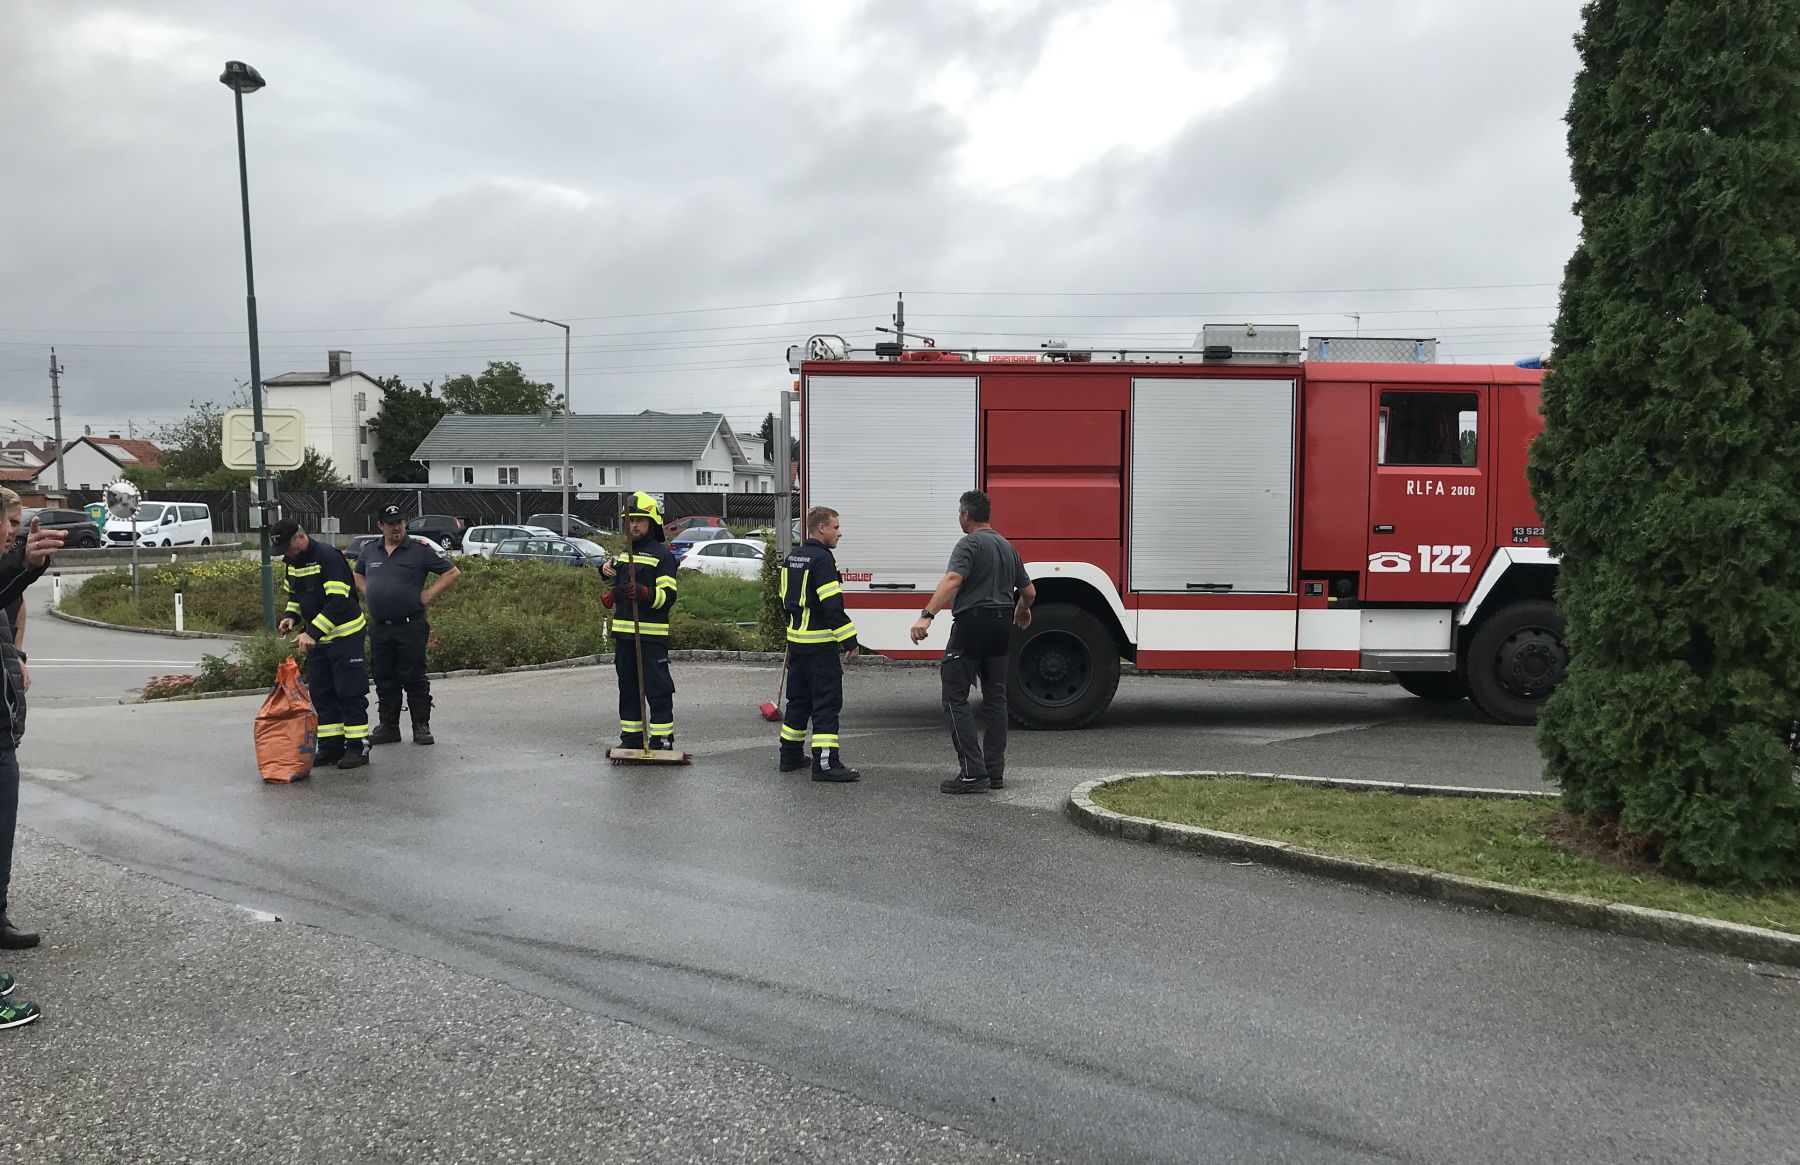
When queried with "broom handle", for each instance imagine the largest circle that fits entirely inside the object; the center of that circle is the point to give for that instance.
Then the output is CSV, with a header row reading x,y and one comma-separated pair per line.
x,y
637,640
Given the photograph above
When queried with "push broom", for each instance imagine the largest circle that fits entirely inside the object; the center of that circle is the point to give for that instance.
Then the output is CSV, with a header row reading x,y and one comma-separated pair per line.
x,y
771,711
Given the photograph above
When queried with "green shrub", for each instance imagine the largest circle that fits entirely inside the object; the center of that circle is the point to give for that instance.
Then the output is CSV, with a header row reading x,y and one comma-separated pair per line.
x,y
771,620
709,635
1668,473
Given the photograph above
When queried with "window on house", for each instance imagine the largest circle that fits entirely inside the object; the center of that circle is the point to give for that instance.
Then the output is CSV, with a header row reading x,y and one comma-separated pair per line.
x,y
1428,428
600,475
363,469
556,475
462,475
703,477
362,437
508,475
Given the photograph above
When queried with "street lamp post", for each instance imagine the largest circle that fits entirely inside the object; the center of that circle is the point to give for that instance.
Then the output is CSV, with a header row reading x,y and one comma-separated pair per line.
x,y
241,79
568,407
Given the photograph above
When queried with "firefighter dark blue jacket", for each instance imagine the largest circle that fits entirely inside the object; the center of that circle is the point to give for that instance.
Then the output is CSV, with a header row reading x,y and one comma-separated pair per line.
x,y
656,572
812,594
322,593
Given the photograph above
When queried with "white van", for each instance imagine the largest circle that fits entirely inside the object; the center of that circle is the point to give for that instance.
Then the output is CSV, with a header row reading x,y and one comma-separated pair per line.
x,y
163,524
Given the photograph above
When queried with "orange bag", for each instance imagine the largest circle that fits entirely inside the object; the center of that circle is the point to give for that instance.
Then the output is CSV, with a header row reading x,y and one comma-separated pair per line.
x,y
287,729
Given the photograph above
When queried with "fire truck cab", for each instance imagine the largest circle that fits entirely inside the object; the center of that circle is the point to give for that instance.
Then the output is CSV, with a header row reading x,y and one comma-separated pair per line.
x,y
1226,508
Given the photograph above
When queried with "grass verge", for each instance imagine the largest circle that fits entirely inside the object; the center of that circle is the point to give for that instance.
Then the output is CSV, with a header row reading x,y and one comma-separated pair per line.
x,y
1533,844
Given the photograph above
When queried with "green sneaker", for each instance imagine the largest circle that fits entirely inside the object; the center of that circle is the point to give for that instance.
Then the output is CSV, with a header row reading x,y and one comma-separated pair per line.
x,y
7,983
18,1014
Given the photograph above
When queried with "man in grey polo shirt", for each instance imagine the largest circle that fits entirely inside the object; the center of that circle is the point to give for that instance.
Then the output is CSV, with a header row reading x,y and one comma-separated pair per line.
x,y
989,592
391,575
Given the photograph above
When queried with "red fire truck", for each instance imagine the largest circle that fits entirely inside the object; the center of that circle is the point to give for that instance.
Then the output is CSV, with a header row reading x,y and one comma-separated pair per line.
x,y
1226,507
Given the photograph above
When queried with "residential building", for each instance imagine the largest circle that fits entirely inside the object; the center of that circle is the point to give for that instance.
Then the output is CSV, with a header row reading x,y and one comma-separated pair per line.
x,y
338,405
658,452
91,462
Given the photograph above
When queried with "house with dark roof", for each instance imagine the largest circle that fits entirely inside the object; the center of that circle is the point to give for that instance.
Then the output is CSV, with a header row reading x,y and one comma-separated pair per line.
x,y
338,405
658,452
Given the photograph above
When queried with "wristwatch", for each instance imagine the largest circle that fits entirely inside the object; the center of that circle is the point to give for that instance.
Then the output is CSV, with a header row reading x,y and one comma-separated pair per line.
x,y
923,614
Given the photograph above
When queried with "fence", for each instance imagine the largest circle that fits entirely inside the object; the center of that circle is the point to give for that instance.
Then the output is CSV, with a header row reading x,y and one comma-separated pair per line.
x,y
355,509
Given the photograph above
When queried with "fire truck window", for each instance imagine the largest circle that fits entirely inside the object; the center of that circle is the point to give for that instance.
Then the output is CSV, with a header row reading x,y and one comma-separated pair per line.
x,y
1429,428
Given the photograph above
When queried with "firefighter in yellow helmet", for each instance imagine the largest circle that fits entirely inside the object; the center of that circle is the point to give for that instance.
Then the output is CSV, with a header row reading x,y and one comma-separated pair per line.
x,y
642,598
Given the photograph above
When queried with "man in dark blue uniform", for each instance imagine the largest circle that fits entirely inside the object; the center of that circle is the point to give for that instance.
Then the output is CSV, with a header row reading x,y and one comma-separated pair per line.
x,y
391,575
818,628
642,598
322,604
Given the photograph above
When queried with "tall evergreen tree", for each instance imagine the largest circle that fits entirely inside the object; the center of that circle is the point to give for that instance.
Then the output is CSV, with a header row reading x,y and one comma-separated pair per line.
x,y
407,417
1668,473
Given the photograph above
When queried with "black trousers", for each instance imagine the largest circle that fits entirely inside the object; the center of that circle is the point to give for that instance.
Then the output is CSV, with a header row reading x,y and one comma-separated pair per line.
x,y
9,816
339,683
815,692
659,685
977,650
397,659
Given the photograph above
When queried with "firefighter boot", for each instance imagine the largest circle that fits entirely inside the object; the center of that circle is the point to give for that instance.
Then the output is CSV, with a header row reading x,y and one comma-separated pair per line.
x,y
421,732
792,758
330,751
632,740
663,743
356,754
386,732
828,765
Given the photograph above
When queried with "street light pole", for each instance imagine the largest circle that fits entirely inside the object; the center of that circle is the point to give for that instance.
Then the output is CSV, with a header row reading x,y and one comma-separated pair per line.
x,y
241,79
568,407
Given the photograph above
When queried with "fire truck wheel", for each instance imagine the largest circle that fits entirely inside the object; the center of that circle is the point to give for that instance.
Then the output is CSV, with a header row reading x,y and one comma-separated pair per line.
x,y
1515,660
1433,685
1064,670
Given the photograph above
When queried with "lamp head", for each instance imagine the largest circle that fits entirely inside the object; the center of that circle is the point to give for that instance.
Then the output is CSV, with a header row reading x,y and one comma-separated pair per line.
x,y
241,77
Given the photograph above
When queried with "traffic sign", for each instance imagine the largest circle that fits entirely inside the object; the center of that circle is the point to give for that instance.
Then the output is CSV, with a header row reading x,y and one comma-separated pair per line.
x,y
284,445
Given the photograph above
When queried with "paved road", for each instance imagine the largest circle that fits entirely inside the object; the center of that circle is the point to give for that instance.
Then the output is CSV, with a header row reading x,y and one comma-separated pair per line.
x,y
71,663
975,961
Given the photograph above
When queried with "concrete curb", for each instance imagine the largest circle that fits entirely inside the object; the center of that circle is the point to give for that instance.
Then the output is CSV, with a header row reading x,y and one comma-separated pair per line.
x,y
148,556
1686,930
166,633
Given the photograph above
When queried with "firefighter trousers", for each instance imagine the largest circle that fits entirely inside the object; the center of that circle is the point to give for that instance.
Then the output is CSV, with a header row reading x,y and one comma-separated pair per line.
x,y
977,649
339,683
659,687
815,692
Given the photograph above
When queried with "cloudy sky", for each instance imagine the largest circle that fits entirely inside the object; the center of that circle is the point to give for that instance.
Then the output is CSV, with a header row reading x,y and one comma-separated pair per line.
x,y
695,184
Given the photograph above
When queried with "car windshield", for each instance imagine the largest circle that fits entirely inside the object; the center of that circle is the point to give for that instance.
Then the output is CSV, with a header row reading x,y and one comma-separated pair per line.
x,y
591,549
511,546
150,512
702,534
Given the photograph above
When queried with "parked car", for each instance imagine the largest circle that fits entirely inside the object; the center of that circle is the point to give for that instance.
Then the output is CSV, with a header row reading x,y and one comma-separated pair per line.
x,y
163,524
680,544
577,527
84,532
596,553
481,540
355,547
738,557
443,529
544,548
675,527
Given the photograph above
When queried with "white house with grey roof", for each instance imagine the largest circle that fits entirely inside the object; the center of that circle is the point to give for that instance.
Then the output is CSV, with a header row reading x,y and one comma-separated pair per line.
x,y
658,452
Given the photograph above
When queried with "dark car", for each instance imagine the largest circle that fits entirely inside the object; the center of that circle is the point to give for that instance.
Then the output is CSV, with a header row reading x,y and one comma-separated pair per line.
x,y
355,549
443,529
577,527
84,532
542,549
680,544
677,526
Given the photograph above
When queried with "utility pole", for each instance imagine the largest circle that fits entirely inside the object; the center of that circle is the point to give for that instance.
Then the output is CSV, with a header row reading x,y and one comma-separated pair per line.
x,y
56,371
900,319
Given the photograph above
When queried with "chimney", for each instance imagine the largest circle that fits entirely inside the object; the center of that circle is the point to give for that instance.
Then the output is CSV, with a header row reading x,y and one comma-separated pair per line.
x,y
112,436
337,363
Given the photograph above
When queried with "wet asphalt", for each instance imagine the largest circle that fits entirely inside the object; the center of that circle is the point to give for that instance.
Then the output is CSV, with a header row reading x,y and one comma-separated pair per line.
x,y
977,962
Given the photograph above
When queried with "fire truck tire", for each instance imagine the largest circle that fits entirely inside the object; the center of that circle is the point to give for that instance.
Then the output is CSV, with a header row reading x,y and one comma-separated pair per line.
x,y
1515,660
1064,670
1433,685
